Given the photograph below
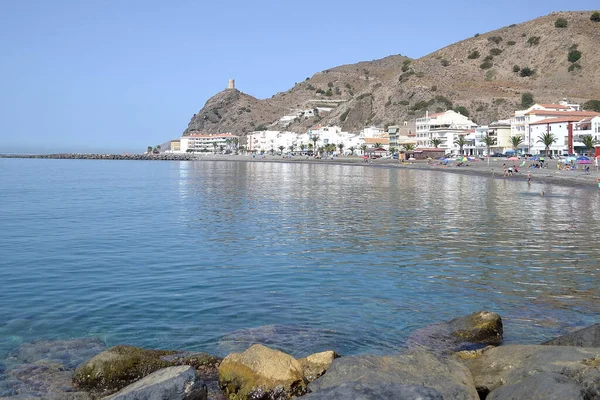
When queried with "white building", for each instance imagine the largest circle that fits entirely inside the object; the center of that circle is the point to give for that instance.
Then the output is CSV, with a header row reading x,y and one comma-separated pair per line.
x,y
271,141
523,120
559,128
206,142
446,127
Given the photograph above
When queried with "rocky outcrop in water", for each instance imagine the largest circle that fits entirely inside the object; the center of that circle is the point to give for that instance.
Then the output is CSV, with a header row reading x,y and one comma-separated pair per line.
x,y
469,332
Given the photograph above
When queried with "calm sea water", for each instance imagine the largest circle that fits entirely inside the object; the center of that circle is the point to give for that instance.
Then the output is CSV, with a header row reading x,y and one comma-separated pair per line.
x,y
182,254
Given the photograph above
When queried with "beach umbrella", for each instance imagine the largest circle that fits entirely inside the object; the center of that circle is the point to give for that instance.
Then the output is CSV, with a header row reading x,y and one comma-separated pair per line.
x,y
588,161
513,158
583,158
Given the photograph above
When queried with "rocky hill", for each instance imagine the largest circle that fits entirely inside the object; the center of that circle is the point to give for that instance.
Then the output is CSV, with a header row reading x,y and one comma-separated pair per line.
x,y
552,57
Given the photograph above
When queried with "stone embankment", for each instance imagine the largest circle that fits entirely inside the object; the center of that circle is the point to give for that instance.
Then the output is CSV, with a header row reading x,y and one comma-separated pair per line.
x,y
84,156
459,359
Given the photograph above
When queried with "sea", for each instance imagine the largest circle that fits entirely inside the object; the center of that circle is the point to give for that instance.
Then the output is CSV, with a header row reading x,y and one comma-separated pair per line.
x,y
216,255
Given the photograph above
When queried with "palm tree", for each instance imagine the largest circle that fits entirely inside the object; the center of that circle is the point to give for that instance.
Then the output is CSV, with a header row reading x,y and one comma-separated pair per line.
x,y
377,145
489,142
460,141
363,147
351,150
281,149
291,148
341,147
589,142
548,139
516,141
302,146
392,150
408,147
315,139
436,142
149,149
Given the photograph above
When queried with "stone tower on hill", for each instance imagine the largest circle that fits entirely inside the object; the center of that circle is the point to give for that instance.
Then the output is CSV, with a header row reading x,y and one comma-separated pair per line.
x,y
231,84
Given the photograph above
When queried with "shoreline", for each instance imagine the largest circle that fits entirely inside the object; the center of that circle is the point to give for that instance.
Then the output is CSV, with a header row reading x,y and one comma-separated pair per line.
x,y
549,175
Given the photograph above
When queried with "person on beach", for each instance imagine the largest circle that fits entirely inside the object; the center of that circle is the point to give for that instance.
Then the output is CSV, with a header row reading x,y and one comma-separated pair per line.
x,y
510,171
596,162
515,168
598,182
505,170
529,177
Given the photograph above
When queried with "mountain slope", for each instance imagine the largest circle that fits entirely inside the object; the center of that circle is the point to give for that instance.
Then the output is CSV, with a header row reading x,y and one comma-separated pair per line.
x,y
484,75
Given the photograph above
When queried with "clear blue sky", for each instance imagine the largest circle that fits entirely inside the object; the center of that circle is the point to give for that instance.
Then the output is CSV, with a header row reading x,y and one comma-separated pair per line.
x,y
119,75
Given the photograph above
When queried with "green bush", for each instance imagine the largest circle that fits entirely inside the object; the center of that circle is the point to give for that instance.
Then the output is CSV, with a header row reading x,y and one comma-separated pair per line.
x,y
534,40
526,71
574,56
404,102
561,23
592,105
405,68
445,101
476,35
462,110
419,105
433,88
527,100
330,84
516,68
595,16
444,62
488,58
496,52
495,39
511,43
344,115
473,55
574,67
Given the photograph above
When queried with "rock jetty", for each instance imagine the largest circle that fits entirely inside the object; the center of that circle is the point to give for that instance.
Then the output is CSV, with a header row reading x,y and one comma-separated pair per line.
x,y
84,156
460,359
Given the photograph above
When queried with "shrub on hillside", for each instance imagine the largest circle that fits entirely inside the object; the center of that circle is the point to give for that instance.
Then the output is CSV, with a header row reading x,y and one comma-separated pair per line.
x,y
344,115
526,71
495,39
444,62
561,23
534,40
445,101
511,43
496,52
516,68
473,55
462,110
592,105
486,65
574,56
595,16
527,100
574,67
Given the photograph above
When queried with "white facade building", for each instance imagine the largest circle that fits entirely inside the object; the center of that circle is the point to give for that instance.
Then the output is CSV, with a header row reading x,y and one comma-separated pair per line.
x,y
559,128
205,142
446,127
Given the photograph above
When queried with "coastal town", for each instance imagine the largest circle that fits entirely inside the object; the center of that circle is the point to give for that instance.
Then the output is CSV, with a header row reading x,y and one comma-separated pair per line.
x,y
552,130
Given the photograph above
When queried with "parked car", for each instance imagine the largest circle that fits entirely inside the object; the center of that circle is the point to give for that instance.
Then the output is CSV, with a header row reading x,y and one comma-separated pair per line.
x,y
497,155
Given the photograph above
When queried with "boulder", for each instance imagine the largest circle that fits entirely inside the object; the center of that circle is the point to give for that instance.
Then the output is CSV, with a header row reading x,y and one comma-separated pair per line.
x,y
470,332
511,364
365,391
586,337
117,367
544,386
260,372
447,376
173,383
316,364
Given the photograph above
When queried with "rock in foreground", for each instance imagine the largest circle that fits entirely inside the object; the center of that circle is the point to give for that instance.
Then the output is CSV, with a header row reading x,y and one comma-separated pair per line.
x,y
316,364
509,365
586,337
261,373
173,383
365,391
449,378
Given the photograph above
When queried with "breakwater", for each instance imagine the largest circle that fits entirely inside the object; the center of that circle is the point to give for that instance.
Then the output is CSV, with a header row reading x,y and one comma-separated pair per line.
x,y
86,156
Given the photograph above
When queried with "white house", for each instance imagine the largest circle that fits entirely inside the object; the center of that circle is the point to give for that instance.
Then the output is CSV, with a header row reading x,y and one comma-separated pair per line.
x,y
206,142
446,127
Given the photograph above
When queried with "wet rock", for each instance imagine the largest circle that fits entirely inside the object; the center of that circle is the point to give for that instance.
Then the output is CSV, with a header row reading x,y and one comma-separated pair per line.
x,y
511,364
446,376
260,372
206,367
173,383
463,333
586,337
365,391
117,367
69,353
545,386
316,364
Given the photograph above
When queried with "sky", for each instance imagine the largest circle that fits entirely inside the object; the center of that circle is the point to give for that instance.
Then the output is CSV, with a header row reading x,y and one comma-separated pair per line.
x,y
120,75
